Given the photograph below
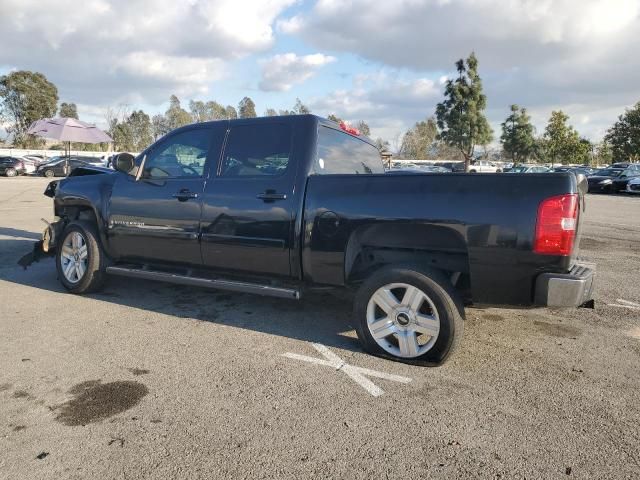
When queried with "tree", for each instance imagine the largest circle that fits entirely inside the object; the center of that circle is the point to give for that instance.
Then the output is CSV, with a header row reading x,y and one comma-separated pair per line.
x,y
603,153
141,130
215,111
418,140
133,134
176,115
382,144
363,127
517,135
335,118
231,112
198,111
562,143
624,136
246,108
68,110
159,126
270,112
26,97
300,108
460,116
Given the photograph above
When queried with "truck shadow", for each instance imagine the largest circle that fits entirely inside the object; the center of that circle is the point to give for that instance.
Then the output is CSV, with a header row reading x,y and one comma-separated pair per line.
x,y
318,317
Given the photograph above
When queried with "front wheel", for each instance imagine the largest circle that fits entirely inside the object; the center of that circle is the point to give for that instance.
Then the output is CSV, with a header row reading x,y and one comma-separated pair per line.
x,y
409,314
49,173
11,172
80,261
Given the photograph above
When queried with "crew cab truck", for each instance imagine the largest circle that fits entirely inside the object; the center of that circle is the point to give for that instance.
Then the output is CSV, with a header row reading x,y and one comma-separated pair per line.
x,y
283,205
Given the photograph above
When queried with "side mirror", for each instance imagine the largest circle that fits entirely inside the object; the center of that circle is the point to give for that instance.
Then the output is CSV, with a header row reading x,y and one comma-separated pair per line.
x,y
124,162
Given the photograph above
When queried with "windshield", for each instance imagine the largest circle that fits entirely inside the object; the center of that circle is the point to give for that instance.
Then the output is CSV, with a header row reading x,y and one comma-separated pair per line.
x,y
608,172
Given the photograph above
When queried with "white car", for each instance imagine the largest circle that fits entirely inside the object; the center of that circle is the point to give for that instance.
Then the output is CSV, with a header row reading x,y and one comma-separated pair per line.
x,y
633,185
483,166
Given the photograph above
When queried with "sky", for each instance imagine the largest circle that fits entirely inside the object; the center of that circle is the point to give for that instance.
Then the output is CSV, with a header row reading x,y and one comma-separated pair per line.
x,y
382,62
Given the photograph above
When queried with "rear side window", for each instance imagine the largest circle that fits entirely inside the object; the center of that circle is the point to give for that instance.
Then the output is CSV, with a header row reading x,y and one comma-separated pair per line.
x,y
257,150
339,153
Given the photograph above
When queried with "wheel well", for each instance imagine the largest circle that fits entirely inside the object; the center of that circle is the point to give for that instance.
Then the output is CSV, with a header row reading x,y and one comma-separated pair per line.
x,y
79,212
431,246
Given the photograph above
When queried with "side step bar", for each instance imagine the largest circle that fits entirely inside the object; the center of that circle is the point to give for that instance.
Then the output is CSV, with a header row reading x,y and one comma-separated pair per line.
x,y
231,285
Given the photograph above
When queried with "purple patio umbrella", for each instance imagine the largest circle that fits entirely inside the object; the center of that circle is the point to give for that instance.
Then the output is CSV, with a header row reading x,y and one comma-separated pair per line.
x,y
68,130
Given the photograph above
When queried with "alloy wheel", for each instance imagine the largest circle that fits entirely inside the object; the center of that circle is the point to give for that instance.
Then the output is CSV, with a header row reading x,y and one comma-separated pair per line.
x,y
403,320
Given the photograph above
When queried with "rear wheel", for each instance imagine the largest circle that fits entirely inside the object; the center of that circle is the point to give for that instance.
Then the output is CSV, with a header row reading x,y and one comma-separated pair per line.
x,y
11,172
49,173
80,260
409,314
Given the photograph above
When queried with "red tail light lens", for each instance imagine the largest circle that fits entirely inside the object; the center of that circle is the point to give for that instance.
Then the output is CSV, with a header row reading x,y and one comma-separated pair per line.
x,y
556,225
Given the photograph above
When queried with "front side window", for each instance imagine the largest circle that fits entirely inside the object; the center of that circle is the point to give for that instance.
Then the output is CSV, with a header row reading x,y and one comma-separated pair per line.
x,y
256,150
181,155
341,153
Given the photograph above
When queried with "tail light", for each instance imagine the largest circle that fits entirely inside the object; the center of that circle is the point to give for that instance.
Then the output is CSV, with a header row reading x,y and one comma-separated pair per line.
x,y
556,225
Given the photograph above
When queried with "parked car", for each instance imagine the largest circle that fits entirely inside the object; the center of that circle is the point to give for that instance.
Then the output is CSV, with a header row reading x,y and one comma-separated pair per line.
x,y
455,167
626,165
619,184
419,169
484,166
30,165
586,171
529,169
12,166
602,180
283,205
56,167
633,186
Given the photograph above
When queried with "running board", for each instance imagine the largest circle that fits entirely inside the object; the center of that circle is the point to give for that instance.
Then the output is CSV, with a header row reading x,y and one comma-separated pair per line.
x,y
231,285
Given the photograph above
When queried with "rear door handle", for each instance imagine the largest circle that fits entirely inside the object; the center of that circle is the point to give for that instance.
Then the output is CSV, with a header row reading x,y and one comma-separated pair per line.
x,y
271,196
184,195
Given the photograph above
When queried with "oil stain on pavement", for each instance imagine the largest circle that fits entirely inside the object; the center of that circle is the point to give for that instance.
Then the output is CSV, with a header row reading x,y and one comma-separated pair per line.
x,y
555,330
94,401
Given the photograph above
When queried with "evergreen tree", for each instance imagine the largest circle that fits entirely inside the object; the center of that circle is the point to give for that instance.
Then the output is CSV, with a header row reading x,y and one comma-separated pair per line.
x,y
68,110
176,115
24,98
300,108
246,108
562,142
231,113
461,115
517,135
624,136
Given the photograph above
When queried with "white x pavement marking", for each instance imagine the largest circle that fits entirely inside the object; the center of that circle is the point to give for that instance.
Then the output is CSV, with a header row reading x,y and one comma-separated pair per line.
x,y
357,374
625,304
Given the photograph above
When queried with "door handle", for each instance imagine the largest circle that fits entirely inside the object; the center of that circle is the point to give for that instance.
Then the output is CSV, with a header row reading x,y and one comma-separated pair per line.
x,y
271,196
184,195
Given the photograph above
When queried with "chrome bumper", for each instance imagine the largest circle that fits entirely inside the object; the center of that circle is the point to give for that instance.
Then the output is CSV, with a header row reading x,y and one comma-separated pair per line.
x,y
571,289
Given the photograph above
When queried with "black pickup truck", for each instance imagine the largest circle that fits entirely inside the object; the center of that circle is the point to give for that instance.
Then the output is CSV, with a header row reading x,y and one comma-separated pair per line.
x,y
282,205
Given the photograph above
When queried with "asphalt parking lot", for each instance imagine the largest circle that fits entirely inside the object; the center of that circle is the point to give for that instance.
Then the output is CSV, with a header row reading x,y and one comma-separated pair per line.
x,y
147,380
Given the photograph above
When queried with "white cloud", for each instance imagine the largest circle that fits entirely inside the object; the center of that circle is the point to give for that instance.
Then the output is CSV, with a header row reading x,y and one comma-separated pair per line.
x,y
543,54
386,101
106,51
281,72
290,25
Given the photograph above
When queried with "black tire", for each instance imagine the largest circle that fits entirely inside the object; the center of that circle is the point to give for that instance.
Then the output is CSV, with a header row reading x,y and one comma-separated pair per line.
x,y
49,173
11,172
94,276
473,171
435,285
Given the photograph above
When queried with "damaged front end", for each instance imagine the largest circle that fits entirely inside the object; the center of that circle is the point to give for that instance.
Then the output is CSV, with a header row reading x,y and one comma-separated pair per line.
x,y
45,247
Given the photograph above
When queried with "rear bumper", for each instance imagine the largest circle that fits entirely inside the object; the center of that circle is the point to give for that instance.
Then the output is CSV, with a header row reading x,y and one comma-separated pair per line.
x,y
566,290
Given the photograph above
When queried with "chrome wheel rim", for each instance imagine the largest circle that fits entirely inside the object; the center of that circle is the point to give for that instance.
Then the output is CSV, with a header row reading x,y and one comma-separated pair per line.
x,y
403,320
74,257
